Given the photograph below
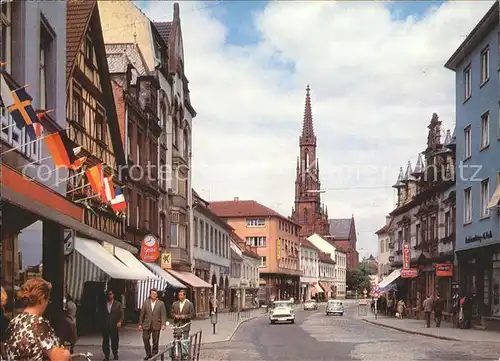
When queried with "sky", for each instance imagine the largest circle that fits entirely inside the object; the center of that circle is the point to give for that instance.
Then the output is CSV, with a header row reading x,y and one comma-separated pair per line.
x,y
376,75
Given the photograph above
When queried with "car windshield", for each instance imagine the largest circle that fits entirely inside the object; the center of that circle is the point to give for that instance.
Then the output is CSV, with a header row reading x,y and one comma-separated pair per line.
x,y
282,305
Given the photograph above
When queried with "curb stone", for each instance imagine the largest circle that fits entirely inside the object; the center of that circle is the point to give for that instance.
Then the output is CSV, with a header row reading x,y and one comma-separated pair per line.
x,y
411,331
229,338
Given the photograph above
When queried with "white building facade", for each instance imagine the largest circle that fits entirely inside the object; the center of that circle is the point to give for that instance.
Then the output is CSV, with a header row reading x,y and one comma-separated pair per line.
x,y
245,289
326,276
309,265
211,250
340,273
384,252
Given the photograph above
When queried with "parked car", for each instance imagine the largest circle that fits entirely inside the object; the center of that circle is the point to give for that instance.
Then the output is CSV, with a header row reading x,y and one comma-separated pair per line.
x,y
282,311
310,305
334,307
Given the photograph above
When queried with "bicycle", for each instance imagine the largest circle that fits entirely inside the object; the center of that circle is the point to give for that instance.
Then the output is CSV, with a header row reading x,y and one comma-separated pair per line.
x,y
177,353
86,356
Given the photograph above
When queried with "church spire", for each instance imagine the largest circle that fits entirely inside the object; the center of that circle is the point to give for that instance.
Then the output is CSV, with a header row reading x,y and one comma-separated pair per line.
x,y
308,136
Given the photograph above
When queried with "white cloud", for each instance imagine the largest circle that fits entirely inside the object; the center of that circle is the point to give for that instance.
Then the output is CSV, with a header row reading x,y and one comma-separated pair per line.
x,y
375,83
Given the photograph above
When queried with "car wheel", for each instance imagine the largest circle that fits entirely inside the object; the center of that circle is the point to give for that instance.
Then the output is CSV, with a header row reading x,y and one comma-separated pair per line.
x,y
342,314
292,322
271,322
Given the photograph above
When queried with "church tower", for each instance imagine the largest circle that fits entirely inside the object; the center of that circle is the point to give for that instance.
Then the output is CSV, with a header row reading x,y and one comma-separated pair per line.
x,y
308,210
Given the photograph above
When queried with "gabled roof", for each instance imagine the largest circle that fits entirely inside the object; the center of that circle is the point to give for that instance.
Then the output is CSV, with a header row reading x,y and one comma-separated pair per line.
x,y
306,244
235,256
164,29
245,208
325,258
385,228
121,54
78,16
340,228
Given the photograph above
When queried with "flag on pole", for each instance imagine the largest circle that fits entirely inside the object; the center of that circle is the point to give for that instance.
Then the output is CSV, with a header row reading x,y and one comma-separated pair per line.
x,y
95,176
22,111
118,203
108,190
62,151
6,93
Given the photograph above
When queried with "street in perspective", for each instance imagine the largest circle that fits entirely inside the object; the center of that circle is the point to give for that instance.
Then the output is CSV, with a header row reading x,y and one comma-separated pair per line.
x,y
315,336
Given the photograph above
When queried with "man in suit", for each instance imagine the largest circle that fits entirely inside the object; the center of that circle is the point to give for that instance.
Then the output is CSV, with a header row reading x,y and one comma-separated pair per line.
x,y
152,320
183,313
112,318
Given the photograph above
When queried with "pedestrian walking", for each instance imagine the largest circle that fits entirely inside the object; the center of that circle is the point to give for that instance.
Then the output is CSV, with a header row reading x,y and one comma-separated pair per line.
x,y
438,306
455,310
111,316
152,320
183,313
69,333
428,308
401,308
30,335
467,308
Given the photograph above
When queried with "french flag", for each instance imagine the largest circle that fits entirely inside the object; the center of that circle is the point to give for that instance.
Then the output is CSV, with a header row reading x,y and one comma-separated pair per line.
x,y
108,191
118,203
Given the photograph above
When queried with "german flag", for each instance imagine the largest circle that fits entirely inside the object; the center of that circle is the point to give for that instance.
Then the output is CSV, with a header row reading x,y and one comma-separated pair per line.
x,y
62,151
22,111
95,176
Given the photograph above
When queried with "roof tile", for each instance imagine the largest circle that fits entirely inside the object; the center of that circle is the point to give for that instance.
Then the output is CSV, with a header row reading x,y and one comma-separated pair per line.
x,y
78,15
164,28
244,208
340,228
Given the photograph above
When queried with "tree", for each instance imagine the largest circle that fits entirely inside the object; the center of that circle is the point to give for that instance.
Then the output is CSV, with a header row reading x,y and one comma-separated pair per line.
x,y
359,279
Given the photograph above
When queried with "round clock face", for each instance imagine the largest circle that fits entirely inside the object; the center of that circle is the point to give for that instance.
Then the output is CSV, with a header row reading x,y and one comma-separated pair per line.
x,y
149,241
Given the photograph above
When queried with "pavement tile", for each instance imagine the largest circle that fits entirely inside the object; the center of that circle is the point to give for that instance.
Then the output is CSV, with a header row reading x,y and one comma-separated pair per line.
x,y
445,332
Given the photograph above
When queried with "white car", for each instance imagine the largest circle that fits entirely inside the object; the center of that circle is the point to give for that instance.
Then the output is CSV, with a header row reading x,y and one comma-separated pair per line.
x,y
310,305
282,311
334,307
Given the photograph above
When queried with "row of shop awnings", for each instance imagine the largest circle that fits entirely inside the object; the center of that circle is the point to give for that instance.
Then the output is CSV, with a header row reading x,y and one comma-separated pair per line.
x,y
91,262
388,283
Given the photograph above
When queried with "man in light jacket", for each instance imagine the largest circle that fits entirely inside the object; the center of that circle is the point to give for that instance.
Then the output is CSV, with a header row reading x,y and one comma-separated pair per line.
x,y
183,313
152,320
428,308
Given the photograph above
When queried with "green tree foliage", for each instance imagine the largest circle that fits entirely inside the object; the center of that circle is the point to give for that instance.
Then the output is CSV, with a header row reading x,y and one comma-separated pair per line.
x,y
359,279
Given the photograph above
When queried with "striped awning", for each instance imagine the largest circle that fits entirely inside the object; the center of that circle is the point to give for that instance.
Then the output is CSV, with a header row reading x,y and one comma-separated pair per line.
x,y
77,271
91,262
164,281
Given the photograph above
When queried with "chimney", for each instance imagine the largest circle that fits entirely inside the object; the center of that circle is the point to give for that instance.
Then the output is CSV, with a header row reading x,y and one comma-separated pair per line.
x,y
236,198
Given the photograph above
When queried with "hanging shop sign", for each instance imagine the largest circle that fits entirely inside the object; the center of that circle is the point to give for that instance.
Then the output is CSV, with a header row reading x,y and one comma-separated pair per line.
x,y
409,273
406,255
278,248
444,270
166,260
150,250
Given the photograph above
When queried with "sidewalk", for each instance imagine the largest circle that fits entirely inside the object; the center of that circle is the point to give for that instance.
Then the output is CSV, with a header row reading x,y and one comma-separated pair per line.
x,y
225,328
445,332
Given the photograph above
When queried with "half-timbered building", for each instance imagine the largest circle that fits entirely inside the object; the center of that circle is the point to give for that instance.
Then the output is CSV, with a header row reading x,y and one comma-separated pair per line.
x,y
93,125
